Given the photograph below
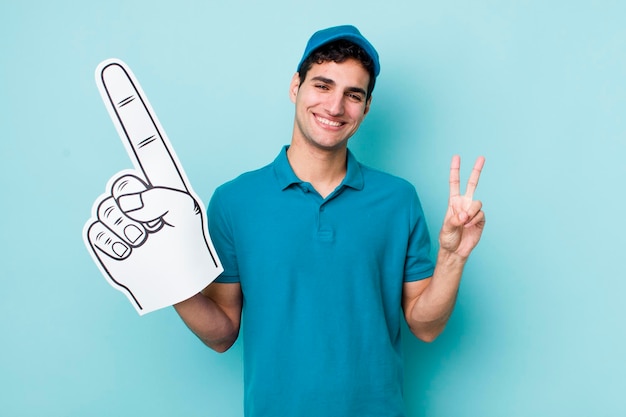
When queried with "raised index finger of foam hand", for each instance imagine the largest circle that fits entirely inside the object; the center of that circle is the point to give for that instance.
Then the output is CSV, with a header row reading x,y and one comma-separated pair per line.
x,y
138,126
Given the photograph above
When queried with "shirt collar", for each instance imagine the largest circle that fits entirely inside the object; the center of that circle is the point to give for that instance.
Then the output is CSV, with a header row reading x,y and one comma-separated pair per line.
x,y
286,177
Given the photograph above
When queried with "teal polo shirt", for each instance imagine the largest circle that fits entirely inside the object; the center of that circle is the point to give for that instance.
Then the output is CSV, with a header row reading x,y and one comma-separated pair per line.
x,y
322,286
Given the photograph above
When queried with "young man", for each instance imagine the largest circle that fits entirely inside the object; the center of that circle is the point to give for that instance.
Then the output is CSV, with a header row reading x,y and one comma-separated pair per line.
x,y
322,255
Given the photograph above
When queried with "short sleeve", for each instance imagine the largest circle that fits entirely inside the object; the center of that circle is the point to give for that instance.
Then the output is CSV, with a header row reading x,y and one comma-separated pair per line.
x,y
418,263
221,232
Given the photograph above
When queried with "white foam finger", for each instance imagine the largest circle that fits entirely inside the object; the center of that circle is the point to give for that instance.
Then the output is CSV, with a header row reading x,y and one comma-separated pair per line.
x,y
138,126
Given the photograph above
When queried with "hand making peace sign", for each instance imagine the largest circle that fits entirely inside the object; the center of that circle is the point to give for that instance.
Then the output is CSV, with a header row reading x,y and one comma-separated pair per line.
x,y
464,221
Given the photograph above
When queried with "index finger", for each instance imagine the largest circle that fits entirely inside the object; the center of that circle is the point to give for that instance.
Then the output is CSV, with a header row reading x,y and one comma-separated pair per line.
x,y
472,183
138,126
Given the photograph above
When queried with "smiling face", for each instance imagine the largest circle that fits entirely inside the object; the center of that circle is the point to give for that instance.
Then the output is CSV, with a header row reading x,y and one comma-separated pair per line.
x,y
330,104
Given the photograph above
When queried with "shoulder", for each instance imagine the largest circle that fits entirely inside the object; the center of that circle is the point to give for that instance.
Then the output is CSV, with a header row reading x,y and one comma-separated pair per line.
x,y
383,181
391,192
246,183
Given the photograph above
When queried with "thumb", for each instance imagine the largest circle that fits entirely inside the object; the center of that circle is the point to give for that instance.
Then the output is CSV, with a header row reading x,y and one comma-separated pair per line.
x,y
462,217
454,220
155,203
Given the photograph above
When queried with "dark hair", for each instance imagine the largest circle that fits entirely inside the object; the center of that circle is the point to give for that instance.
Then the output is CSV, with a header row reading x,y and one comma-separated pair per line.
x,y
339,51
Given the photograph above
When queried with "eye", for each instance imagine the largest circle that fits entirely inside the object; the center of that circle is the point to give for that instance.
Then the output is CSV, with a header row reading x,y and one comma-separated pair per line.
x,y
321,86
355,97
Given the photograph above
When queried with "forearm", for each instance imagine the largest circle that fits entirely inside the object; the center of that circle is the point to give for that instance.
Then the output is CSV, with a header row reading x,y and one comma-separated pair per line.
x,y
431,309
209,322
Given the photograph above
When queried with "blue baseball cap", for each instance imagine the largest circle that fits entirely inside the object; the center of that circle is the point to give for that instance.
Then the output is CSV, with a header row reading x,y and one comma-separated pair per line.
x,y
347,32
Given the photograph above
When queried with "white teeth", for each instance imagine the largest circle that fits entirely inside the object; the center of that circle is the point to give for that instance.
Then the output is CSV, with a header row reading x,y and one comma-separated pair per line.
x,y
328,122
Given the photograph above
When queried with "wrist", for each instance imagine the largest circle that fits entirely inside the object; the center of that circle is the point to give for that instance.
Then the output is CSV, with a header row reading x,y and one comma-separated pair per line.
x,y
451,258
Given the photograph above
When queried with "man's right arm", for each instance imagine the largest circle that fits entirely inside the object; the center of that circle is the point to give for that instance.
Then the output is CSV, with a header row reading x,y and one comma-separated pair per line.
x,y
214,315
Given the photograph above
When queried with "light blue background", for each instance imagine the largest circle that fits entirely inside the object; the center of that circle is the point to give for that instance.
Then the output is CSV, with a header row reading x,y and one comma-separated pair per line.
x,y
538,87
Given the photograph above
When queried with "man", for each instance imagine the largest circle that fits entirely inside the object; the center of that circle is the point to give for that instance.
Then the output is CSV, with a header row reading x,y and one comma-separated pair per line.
x,y
322,255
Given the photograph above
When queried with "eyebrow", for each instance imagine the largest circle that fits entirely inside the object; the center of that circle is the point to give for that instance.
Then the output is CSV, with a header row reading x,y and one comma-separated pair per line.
x,y
332,82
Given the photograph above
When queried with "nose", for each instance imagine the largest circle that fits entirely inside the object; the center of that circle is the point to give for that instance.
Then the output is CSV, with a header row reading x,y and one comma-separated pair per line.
x,y
335,104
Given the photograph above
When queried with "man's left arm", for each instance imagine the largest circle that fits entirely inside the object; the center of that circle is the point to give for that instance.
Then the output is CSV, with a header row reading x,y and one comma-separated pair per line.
x,y
428,303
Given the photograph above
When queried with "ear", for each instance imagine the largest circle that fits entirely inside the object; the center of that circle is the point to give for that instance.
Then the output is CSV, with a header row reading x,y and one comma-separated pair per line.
x,y
294,86
367,106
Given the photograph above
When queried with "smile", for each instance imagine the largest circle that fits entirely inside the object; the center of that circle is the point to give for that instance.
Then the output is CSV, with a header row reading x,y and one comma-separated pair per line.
x,y
328,122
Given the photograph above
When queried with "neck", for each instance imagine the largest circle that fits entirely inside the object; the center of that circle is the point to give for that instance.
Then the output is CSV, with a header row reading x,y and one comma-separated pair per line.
x,y
323,169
